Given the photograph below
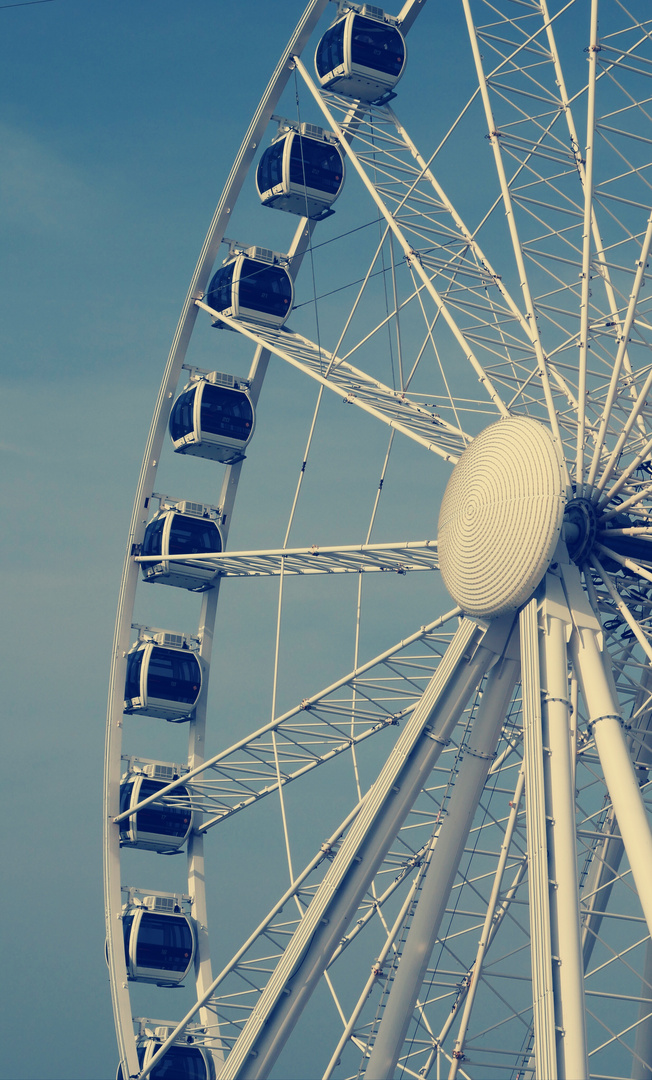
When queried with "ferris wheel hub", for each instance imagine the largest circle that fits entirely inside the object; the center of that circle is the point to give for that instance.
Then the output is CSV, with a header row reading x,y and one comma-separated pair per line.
x,y
501,517
580,528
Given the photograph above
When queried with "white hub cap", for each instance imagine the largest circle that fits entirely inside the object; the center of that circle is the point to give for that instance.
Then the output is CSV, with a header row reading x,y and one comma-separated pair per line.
x,y
501,517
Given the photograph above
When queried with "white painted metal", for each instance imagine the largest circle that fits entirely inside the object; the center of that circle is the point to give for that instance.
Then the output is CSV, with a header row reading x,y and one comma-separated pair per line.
x,y
442,868
370,395
115,951
352,558
568,973
516,242
586,249
501,517
596,682
588,384
385,807
492,921
543,1003
378,720
407,249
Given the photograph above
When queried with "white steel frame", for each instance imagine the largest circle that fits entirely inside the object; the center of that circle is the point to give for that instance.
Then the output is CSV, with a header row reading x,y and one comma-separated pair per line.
x,y
585,694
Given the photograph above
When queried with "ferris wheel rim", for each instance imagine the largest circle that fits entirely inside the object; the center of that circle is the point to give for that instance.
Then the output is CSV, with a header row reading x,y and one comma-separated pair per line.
x,y
189,314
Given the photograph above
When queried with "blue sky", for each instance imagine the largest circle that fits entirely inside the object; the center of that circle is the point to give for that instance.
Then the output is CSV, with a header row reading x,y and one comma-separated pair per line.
x,y
119,123
118,127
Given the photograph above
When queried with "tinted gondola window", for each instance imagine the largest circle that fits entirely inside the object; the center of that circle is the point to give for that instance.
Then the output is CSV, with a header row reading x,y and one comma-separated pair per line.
x,y
125,801
270,169
315,164
192,536
173,676
264,288
127,922
181,417
219,294
376,46
152,539
330,51
164,942
179,1063
226,412
163,818
134,664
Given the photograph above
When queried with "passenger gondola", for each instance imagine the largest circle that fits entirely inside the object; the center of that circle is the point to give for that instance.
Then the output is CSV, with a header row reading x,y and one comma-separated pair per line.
x,y
162,681
301,172
252,286
162,826
212,418
188,529
159,946
182,1061
361,57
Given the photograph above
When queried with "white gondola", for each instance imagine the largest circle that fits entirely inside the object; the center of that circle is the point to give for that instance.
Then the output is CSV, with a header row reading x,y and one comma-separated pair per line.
x,y
159,941
252,285
361,56
302,172
213,417
164,678
165,824
184,1060
188,528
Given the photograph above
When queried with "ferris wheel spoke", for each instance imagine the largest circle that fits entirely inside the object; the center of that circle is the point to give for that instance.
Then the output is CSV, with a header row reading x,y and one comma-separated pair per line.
x,y
436,885
539,292
481,260
377,695
266,927
496,910
416,753
623,609
368,394
494,140
639,405
401,558
411,253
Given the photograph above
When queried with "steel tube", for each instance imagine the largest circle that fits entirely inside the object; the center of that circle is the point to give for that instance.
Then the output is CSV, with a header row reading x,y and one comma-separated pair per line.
x,y
622,785
568,973
384,809
440,876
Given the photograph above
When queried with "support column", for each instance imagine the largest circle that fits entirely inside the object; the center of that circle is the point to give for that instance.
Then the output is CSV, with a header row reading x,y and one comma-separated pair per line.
x,y
545,1043
567,968
470,654
594,673
440,875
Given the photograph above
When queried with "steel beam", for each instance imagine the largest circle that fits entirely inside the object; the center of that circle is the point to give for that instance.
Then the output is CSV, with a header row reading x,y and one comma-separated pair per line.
x,y
445,859
545,1044
473,650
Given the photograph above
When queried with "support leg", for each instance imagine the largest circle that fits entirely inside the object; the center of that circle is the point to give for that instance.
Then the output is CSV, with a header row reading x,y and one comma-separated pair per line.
x,y
615,759
568,970
385,807
439,878
545,1043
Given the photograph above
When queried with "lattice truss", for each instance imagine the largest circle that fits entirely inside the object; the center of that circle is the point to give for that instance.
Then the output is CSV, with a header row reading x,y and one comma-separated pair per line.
x,y
478,969
361,706
513,325
539,136
577,224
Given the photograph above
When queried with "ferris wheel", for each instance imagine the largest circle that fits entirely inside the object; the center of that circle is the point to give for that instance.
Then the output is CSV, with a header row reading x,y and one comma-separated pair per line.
x,y
430,851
